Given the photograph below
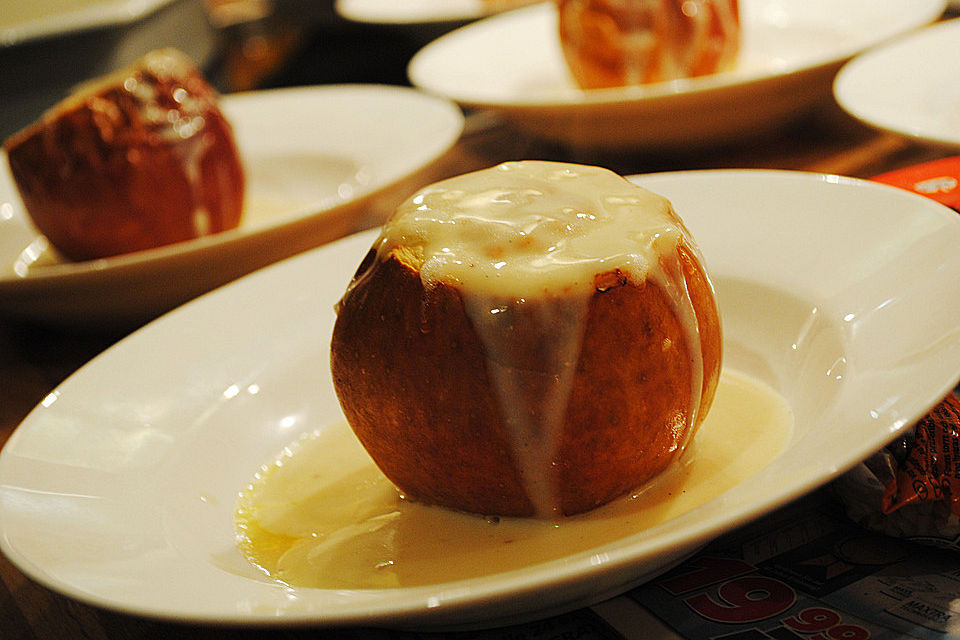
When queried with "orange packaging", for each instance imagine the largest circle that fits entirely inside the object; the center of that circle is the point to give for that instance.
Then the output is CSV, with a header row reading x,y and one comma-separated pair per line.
x,y
911,488
931,471
938,180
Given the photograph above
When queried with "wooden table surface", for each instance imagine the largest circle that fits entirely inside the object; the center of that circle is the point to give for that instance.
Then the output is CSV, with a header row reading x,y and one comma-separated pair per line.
x,y
35,358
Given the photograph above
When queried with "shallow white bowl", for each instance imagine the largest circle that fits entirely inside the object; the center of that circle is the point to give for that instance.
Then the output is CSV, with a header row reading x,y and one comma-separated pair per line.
x,y
316,159
118,490
512,63
416,12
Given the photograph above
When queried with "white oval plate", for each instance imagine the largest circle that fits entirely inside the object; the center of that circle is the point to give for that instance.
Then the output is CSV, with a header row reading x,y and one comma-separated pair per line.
x,y
418,12
118,489
314,158
910,86
513,63
23,21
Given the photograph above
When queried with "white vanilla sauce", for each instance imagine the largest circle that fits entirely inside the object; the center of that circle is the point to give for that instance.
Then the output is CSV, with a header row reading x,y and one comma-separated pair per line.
x,y
322,515
545,230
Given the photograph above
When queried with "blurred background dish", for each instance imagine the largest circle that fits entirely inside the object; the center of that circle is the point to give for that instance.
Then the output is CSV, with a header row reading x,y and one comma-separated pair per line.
x,y
910,86
512,64
411,12
321,162
49,46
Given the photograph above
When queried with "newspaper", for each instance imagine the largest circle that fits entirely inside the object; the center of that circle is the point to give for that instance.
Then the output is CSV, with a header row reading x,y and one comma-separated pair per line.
x,y
807,572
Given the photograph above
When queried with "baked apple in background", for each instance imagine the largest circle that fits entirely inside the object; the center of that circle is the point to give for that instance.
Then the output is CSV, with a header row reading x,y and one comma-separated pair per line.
x,y
137,159
614,43
533,339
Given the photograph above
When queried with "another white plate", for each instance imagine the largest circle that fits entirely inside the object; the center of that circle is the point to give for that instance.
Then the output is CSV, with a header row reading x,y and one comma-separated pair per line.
x,y
512,63
315,159
118,490
419,12
910,86
24,21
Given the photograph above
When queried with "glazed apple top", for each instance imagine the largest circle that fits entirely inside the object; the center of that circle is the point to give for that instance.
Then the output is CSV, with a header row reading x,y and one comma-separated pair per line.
x,y
625,42
136,159
172,115
556,234
532,227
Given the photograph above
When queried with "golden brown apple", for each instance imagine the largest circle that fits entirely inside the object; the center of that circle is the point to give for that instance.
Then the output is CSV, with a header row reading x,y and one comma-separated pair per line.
x,y
614,43
546,391
137,159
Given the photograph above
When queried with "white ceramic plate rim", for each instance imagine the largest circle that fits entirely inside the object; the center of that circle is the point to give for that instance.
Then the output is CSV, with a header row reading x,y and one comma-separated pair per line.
x,y
482,33
878,87
241,109
209,325
102,13
410,11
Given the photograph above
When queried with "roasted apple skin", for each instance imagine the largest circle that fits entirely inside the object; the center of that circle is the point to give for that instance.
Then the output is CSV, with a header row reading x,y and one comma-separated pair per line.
x,y
616,43
139,159
414,381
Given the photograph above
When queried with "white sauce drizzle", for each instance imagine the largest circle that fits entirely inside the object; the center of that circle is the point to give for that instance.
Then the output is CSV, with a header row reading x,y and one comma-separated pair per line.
x,y
322,515
543,230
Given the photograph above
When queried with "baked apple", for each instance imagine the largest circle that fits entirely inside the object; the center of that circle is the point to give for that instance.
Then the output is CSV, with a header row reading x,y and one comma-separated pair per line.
x,y
612,43
137,159
533,339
